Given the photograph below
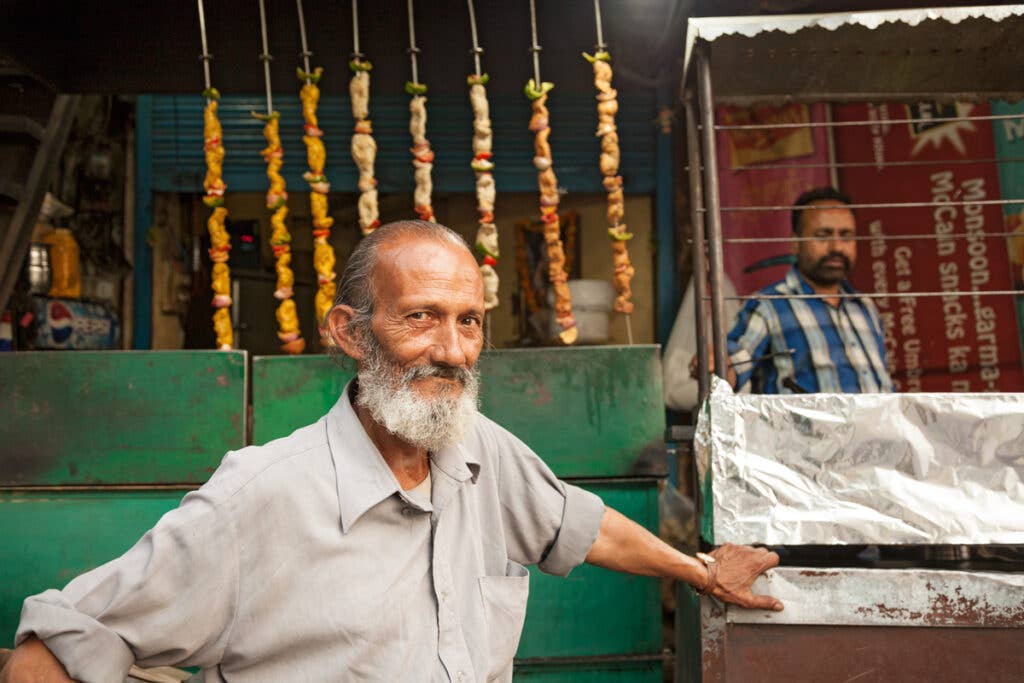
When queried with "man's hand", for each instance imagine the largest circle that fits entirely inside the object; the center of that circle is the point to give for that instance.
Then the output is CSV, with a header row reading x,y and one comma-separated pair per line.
x,y
32,662
738,566
731,374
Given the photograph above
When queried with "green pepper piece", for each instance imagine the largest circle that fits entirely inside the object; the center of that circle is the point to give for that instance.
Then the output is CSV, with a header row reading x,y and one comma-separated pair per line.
x,y
473,79
360,65
598,56
213,201
266,117
312,77
534,93
415,88
619,236
484,251
211,94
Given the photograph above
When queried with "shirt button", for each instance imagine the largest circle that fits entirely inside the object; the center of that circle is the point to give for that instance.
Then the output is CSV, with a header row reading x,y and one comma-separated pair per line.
x,y
460,676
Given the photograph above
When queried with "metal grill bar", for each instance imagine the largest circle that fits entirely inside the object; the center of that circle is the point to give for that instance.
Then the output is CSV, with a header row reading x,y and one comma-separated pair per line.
x,y
869,122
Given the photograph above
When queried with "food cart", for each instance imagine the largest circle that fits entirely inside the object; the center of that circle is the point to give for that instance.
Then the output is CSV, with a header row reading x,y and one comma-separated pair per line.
x,y
931,478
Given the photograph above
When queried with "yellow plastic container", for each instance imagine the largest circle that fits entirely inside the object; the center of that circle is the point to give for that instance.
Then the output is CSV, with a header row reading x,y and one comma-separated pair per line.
x,y
64,264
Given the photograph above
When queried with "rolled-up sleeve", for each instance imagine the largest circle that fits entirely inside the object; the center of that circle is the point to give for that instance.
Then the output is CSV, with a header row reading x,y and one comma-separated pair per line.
x,y
169,600
547,522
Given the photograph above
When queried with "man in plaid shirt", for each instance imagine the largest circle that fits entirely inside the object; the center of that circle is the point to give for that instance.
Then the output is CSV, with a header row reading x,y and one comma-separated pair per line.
x,y
830,341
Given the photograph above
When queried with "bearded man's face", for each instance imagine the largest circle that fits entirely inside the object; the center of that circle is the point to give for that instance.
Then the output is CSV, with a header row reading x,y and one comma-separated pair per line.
x,y
419,349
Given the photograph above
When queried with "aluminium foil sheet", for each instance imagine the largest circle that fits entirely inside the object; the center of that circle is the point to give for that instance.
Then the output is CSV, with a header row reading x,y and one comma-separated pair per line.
x,y
861,468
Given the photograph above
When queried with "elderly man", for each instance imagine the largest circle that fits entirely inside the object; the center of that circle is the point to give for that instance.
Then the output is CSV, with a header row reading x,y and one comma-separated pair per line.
x,y
385,542
825,339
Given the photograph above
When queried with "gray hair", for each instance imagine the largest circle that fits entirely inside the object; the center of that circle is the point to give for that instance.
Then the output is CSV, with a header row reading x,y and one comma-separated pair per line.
x,y
356,286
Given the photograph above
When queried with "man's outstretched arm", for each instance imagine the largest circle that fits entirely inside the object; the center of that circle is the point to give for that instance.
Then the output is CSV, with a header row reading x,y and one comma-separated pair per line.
x,y
624,546
32,662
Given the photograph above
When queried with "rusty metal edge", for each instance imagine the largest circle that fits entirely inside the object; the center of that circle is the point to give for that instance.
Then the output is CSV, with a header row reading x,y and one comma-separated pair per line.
x,y
885,597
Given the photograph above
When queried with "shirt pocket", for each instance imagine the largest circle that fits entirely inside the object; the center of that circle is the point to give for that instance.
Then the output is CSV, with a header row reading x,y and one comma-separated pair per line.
x,y
504,599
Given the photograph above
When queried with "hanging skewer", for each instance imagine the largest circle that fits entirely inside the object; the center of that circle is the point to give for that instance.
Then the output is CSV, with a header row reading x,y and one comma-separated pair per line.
x,y
607,107
220,240
483,167
277,201
364,148
316,156
423,157
537,92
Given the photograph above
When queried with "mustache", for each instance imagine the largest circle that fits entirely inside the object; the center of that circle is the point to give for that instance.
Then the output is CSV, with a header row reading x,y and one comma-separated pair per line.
x,y
460,374
846,261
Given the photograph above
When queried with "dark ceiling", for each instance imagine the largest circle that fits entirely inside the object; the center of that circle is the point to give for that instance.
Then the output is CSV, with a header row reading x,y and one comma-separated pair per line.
x,y
152,46
144,46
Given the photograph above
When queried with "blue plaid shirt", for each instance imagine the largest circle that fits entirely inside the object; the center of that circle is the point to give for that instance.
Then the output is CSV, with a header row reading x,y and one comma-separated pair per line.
x,y
835,349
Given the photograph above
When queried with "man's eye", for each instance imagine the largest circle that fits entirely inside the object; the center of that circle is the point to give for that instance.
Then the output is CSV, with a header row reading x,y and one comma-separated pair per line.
x,y
471,320
418,315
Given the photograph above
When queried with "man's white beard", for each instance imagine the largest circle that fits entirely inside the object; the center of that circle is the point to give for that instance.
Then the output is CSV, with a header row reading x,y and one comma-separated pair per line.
x,y
430,423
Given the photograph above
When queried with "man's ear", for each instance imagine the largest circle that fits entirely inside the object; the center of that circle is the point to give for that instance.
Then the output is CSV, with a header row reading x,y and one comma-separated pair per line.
x,y
340,331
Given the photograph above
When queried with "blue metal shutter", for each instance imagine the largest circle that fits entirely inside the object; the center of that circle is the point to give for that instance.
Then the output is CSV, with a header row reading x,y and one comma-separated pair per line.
x,y
177,142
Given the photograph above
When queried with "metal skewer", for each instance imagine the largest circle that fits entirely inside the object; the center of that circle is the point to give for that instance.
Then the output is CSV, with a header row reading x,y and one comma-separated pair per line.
x,y
477,50
535,48
355,29
266,58
413,50
600,35
206,57
305,54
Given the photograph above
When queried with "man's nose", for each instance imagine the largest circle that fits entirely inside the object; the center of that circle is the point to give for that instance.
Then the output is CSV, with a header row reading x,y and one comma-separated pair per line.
x,y
449,346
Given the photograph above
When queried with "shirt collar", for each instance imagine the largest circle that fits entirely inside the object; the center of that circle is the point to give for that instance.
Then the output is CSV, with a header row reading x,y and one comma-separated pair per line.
x,y
363,478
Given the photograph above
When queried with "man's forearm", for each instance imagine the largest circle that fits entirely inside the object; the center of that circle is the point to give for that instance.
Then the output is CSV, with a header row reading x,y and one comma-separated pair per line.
x,y
623,545
32,662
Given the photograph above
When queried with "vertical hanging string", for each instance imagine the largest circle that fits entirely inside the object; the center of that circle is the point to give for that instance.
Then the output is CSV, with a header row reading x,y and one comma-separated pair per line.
x,y
265,57
535,48
305,54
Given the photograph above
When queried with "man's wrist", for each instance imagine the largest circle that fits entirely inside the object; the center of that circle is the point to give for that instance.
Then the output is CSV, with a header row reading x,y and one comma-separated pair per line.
x,y
711,566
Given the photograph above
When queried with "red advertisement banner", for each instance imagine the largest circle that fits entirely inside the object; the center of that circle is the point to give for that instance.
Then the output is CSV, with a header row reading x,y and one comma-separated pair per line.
x,y
942,343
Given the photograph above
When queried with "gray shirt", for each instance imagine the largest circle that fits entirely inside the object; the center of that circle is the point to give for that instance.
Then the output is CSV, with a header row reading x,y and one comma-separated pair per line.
x,y
303,560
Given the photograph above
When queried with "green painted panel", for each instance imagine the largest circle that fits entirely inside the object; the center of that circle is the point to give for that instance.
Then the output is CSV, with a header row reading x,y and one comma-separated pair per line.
x,y
590,672
594,611
289,392
51,537
119,417
588,411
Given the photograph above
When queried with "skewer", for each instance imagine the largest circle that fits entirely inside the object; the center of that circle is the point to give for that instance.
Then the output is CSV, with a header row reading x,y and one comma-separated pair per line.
x,y
316,156
535,48
266,58
487,232
220,241
364,148
355,29
413,50
305,54
477,50
423,156
607,107
547,185
206,57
